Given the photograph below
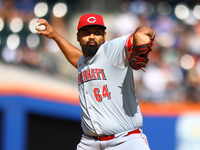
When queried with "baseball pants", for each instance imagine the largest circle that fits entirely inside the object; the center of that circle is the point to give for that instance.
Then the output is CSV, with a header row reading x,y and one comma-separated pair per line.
x,y
131,142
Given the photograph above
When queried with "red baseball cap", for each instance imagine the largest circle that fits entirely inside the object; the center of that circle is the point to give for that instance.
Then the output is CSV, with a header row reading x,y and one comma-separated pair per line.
x,y
90,19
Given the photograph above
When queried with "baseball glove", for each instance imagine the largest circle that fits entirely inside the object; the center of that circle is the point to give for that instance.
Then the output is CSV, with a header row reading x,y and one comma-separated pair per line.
x,y
137,55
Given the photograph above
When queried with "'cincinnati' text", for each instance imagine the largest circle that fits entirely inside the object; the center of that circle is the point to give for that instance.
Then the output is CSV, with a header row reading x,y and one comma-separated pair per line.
x,y
91,74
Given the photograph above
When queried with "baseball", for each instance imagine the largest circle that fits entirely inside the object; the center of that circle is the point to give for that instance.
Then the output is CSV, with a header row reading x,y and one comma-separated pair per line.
x,y
40,27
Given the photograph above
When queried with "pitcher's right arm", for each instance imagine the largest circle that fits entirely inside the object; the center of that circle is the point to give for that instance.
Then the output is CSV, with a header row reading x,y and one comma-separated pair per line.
x,y
71,52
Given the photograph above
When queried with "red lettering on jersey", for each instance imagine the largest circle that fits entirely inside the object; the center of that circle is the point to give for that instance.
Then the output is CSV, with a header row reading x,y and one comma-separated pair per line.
x,y
84,76
88,74
97,73
102,74
80,79
92,75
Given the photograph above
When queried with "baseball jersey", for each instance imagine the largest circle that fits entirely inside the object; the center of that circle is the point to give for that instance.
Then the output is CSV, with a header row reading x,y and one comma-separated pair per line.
x,y
106,91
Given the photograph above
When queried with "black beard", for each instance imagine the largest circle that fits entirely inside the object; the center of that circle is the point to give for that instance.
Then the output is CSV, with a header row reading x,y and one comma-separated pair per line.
x,y
90,50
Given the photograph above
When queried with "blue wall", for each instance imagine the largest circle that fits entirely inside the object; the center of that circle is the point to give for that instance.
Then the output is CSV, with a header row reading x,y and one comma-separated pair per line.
x,y
160,131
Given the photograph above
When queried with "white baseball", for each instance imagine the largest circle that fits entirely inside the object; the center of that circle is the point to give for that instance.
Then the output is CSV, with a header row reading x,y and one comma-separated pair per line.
x,y
40,27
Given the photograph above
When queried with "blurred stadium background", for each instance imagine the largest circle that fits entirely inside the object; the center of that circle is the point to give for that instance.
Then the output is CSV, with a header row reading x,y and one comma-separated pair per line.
x,y
39,107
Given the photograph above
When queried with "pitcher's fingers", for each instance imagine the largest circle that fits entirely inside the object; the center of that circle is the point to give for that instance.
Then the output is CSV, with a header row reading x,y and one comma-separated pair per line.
x,y
42,32
43,22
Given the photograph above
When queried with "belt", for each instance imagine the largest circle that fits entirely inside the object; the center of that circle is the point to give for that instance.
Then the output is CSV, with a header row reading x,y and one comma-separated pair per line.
x,y
110,137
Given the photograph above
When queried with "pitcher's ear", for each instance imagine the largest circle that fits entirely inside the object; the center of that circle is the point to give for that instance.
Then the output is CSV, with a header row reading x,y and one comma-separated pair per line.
x,y
105,35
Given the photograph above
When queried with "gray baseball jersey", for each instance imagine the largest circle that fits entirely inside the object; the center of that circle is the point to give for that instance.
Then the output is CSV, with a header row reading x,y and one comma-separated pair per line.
x,y
106,91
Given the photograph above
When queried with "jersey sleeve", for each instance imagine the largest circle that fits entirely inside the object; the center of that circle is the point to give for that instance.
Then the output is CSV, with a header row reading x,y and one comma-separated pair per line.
x,y
128,43
115,51
80,61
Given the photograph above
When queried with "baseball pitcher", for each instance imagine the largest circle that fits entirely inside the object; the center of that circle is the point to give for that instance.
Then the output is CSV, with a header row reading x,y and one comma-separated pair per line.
x,y
111,117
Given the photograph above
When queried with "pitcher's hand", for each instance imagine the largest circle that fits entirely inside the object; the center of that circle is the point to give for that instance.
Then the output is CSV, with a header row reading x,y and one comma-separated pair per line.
x,y
49,32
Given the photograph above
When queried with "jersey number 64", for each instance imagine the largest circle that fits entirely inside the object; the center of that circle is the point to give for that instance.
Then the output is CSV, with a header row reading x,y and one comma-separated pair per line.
x,y
100,95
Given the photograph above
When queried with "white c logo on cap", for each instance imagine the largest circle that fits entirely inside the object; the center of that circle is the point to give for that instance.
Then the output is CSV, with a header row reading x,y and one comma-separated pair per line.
x,y
91,20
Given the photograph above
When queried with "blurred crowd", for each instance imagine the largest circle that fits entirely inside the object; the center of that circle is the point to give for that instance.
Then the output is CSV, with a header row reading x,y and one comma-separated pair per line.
x,y
173,72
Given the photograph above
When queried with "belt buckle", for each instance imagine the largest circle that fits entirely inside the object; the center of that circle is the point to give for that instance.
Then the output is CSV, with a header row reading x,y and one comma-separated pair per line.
x,y
98,137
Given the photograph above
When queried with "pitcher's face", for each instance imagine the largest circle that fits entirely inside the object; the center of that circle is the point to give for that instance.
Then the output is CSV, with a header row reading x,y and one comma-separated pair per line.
x,y
90,39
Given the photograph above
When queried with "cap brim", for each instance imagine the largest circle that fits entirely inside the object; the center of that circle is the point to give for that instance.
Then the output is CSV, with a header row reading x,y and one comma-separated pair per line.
x,y
92,25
